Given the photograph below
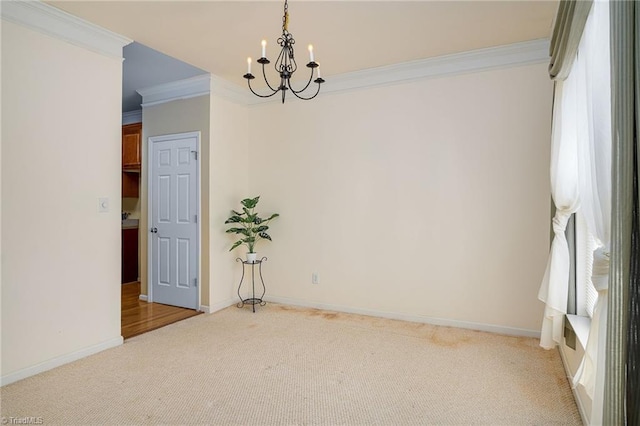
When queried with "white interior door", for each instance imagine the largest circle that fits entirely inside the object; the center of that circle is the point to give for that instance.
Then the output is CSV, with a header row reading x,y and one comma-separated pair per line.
x,y
173,210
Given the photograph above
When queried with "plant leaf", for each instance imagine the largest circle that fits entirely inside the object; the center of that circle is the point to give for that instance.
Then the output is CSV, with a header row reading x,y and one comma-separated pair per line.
x,y
234,219
235,230
273,216
260,229
237,213
236,244
250,203
265,236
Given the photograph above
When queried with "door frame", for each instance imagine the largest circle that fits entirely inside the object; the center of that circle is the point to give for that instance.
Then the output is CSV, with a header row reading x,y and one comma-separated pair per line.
x,y
150,141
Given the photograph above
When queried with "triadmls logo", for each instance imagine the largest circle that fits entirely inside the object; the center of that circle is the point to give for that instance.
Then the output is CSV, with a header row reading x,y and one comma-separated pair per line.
x,y
29,420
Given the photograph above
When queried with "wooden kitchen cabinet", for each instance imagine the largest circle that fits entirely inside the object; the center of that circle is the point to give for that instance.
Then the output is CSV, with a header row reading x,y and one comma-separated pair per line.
x,y
129,255
132,146
130,185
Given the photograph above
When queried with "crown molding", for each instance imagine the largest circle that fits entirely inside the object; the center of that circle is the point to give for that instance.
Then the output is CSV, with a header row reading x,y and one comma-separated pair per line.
x,y
199,85
132,117
511,55
56,23
230,91
192,87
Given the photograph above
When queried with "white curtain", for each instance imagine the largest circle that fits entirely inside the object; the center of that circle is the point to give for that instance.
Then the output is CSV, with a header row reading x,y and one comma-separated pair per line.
x,y
581,179
592,72
564,190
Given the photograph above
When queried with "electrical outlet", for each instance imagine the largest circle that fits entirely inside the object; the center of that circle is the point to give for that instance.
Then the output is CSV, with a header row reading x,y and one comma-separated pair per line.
x,y
315,278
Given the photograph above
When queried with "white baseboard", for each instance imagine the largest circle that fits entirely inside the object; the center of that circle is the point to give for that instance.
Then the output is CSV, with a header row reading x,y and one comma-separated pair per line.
x,y
576,395
144,297
511,331
218,306
61,360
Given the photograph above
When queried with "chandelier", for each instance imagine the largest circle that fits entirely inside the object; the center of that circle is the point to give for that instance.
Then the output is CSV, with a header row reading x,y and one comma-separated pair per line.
x,y
285,65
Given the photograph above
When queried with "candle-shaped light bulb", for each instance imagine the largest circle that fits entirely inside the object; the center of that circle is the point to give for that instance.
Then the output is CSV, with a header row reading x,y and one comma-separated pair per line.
x,y
248,65
311,53
264,48
319,76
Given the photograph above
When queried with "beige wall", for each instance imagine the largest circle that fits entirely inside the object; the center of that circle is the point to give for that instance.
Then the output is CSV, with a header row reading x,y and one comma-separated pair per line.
x,y
426,199
61,152
229,184
180,116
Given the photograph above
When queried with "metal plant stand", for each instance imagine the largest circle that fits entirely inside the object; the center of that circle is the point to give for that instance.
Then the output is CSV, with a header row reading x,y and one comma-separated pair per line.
x,y
253,301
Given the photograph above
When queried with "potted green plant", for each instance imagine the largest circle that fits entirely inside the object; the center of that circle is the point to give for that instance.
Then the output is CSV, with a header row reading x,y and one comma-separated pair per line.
x,y
249,226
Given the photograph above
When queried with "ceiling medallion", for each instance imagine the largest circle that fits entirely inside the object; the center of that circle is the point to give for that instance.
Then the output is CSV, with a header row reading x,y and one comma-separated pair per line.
x,y
285,65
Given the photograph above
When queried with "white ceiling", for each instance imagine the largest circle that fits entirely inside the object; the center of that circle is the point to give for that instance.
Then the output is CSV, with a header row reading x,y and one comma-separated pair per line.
x,y
217,36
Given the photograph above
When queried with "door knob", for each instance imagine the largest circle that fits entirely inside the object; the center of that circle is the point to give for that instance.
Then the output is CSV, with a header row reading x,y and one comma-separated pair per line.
x,y
154,230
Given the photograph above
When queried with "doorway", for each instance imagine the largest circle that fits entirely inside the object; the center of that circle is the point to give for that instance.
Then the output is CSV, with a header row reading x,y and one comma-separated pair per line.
x,y
144,67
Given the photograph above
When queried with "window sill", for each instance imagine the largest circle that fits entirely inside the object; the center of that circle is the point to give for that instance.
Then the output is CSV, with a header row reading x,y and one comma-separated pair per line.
x,y
580,326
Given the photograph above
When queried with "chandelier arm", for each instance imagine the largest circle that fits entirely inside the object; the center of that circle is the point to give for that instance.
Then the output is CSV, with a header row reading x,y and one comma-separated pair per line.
x,y
264,73
259,95
306,99
305,87
278,62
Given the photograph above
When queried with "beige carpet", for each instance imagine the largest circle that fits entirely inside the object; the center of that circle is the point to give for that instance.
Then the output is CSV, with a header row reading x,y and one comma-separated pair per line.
x,y
292,366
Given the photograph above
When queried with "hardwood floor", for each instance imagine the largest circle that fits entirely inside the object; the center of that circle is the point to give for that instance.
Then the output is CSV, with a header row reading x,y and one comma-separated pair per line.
x,y
139,317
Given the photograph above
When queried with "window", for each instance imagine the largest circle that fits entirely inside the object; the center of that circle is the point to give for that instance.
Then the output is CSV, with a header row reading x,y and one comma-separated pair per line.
x,y
585,244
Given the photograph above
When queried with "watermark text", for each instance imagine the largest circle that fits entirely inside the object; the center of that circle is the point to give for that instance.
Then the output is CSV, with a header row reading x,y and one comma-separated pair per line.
x,y
28,420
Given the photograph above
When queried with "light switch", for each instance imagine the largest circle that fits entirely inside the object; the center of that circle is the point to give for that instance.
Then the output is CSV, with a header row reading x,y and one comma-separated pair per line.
x,y
103,205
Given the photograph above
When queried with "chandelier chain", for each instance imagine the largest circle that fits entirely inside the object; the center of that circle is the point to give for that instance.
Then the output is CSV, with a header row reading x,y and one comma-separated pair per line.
x,y
285,18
